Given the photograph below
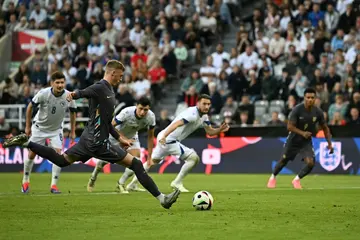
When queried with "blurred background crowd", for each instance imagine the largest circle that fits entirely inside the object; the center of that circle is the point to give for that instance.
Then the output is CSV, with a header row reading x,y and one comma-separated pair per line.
x,y
254,66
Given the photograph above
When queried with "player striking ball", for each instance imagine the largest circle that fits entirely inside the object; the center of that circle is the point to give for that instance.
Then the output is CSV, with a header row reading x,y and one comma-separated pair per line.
x,y
302,125
182,126
51,107
128,122
94,141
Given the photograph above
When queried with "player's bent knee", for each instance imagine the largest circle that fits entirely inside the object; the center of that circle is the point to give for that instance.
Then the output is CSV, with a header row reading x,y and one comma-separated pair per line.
x,y
310,162
193,157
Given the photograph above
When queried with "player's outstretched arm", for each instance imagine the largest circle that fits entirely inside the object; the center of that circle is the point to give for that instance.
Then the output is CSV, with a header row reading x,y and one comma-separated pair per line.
x,y
170,129
92,91
216,131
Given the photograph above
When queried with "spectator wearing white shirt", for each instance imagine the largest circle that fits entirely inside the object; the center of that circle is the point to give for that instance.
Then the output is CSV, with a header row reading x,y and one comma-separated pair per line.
x,y
141,87
207,26
305,40
351,54
109,33
136,35
219,55
92,10
285,20
291,40
173,4
276,46
225,67
95,49
331,18
22,25
208,71
39,15
248,60
120,18
261,41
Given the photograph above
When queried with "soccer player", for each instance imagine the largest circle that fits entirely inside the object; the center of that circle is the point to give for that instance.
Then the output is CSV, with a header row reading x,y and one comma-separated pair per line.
x,y
51,105
128,122
169,140
94,141
302,126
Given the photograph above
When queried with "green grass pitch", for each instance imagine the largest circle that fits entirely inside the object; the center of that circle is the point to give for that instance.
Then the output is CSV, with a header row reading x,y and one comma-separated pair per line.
x,y
329,208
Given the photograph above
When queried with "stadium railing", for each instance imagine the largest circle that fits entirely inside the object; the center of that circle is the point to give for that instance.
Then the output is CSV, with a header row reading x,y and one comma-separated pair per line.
x,y
20,120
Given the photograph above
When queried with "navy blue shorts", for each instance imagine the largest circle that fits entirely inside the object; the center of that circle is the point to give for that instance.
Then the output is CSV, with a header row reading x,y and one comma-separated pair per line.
x,y
106,152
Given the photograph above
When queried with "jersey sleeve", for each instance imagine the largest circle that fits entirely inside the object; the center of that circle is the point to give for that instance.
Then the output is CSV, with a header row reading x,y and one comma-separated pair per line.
x,y
38,98
206,120
72,106
189,117
152,122
121,117
294,115
92,91
321,117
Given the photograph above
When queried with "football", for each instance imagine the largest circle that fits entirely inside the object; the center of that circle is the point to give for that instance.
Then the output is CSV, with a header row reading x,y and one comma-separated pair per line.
x,y
202,200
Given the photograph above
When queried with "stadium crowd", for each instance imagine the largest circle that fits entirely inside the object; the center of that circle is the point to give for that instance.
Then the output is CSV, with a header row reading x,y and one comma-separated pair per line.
x,y
284,47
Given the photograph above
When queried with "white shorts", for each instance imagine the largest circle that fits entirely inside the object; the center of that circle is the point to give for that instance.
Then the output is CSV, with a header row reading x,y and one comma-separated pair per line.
x,y
174,148
40,137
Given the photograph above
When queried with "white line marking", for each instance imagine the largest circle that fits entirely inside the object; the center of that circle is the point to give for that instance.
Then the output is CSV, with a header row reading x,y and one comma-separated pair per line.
x,y
5,194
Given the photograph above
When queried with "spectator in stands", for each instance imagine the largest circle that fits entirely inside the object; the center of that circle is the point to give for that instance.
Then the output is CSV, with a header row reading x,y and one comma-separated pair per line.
x,y
331,19
339,106
39,15
141,87
157,76
337,119
207,26
219,55
353,103
216,100
163,121
26,83
136,35
275,121
284,83
354,117
246,106
4,126
109,33
276,46
124,96
299,84
237,83
248,60
347,19
243,119
22,25
8,91
229,107
93,11
192,80
26,96
208,71
269,86
336,91
290,104
181,55
190,97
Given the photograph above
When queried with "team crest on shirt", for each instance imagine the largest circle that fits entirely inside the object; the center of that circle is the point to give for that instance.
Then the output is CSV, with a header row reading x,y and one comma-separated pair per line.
x,y
314,119
62,104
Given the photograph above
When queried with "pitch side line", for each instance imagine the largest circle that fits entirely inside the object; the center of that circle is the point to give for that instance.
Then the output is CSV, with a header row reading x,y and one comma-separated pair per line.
x,y
5,194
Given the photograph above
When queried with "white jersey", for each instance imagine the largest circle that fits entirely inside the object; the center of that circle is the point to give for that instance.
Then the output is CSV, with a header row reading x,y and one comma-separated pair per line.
x,y
192,119
51,112
129,124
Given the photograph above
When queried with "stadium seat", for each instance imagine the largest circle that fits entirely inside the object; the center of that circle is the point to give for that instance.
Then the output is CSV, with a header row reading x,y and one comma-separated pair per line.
x,y
275,109
260,110
263,103
265,118
280,103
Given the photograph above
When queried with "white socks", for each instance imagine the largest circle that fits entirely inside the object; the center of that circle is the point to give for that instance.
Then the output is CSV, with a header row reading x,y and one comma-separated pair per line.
x,y
297,177
28,165
185,169
55,174
128,173
161,198
135,180
99,166
272,176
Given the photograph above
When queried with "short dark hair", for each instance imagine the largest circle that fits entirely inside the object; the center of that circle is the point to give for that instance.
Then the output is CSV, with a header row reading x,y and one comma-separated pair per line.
x,y
309,90
144,101
114,64
57,75
204,96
